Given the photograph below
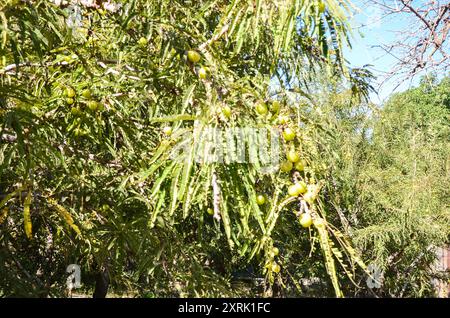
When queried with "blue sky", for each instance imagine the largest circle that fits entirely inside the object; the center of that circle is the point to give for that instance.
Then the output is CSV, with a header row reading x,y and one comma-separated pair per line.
x,y
374,32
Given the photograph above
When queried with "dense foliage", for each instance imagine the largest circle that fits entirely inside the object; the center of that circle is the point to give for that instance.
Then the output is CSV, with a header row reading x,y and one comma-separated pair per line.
x,y
390,183
95,102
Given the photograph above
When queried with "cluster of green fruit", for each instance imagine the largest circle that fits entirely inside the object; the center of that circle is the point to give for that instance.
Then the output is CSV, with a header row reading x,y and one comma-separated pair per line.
x,y
75,127
307,192
262,109
194,57
298,188
293,158
93,105
204,73
271,264
77,109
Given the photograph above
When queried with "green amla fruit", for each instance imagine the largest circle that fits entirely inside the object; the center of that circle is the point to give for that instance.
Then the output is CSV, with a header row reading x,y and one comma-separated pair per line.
x,y
260,199
167,130
293,156
76,132
282,120
300,165
311,195
93,105
87,94
142,41
203,73
319,222
275,106
275,251
193,56
70,92
288,134
306,220
79,132
276,268
261,108
76,111
321,7
286,166
226,111
297,189
100,106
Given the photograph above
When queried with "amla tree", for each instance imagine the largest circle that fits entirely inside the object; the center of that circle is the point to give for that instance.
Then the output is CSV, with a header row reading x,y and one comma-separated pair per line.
x,y
98,99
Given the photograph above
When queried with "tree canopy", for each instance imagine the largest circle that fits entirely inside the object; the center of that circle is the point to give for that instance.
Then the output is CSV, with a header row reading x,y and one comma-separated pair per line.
x,y
107,110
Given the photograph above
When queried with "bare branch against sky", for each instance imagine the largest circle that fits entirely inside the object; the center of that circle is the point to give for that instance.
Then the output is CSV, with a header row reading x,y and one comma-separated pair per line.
x,y
421,43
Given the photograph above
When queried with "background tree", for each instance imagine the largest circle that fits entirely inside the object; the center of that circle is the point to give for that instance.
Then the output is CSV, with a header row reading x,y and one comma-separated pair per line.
x,y
405,189
389,184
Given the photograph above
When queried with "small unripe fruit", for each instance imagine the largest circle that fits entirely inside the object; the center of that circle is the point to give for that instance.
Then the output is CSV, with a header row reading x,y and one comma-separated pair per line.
x,y
77,132
297,189
319,222
293,156
309,196
321,7
305,220
167,130
282,120
70,92
286,166
261,108
100,107
226,111
288,134
70,101
275,251
300,165
87,94
143,41
276,268
92,105
275,106
193,56
76,111
202,73
173,52
260,199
